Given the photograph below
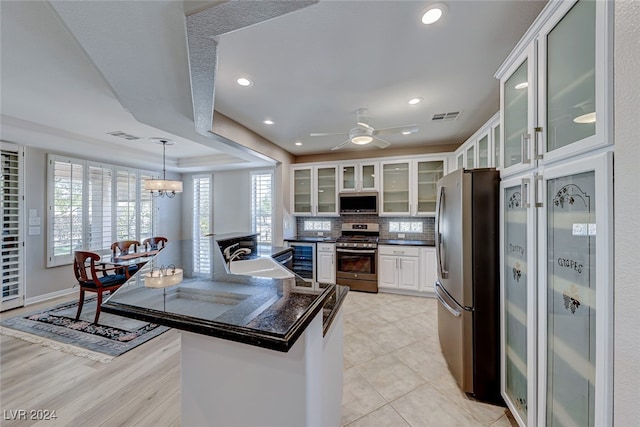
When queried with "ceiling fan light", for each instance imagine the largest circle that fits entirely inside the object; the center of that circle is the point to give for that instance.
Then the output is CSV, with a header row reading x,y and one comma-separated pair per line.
x,y
361,139
414,101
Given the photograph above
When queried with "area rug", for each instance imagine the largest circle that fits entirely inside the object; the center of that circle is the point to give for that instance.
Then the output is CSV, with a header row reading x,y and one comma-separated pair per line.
x,y
57,328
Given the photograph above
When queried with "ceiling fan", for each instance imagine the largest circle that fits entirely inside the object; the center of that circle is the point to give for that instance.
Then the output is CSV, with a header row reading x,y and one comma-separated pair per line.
x,y
363,133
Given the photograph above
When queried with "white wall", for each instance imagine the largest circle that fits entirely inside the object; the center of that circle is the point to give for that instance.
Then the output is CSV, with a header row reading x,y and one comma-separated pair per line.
x,y
232,201
627,208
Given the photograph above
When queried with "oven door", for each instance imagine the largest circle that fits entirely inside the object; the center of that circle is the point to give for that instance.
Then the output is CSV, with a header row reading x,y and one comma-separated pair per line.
x,y
358,264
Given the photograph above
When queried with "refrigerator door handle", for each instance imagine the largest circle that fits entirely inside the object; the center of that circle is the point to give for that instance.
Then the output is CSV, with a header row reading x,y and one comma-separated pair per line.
x,y
443,273
436,287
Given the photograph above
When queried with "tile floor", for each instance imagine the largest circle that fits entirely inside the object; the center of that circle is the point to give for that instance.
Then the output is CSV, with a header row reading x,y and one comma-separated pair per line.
x,y
395,374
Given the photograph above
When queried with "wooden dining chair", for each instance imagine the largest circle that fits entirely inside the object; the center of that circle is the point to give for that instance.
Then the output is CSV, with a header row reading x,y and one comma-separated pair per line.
x,y
125,247
92,279
154,243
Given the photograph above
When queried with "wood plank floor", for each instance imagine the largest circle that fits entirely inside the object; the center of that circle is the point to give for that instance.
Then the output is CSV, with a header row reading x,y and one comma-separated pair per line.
x,y
139,388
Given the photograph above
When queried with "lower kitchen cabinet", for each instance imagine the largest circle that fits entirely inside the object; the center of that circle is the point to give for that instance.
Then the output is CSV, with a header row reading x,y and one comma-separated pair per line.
x,y
326,263
428,272
399,267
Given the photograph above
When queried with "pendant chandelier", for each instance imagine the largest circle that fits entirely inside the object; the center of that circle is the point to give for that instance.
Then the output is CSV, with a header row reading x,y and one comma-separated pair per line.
x,y
163,187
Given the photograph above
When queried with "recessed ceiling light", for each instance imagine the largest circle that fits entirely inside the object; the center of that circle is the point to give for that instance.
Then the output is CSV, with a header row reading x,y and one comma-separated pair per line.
x,y
243,81
268,122
298,143
414,101
522,85
433,13
586,118
406,132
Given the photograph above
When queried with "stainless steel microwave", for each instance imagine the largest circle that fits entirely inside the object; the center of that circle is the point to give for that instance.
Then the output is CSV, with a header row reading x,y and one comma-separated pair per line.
x,y
358,203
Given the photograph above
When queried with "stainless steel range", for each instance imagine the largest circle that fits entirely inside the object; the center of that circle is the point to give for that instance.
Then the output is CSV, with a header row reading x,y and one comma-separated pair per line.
x,y
357,256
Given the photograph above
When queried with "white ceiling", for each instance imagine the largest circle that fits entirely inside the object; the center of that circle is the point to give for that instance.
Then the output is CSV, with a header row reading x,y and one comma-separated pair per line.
x,y
314,67
68,69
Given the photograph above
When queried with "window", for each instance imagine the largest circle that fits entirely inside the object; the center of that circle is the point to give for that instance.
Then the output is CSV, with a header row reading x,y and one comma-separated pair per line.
x,y
312,225
202,223
261,205
405,227
91,205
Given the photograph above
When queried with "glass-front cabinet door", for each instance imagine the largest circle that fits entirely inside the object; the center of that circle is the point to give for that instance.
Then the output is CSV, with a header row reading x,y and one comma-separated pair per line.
x,y
578,285
518,306
572,112
326,190
302,201
368,177
496,147
359,177
483,152
517,111
460,161
395,188
348,180
470,154
428,173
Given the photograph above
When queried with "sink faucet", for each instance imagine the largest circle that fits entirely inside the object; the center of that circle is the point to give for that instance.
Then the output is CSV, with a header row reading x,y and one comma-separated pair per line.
x,y
231,256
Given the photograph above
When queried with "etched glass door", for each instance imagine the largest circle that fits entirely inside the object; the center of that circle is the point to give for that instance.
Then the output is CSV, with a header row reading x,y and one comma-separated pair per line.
x,y
571,300
515,311
348,178
368,177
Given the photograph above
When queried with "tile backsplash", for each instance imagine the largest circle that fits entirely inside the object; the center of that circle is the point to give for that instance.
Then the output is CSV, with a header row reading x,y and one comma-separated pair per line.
x,y
428,228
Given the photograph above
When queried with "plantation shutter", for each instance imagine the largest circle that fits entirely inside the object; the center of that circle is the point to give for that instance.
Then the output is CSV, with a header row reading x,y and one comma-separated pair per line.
x,y
12,236
100,207
126,191
261,205
66,210
202,223
147,205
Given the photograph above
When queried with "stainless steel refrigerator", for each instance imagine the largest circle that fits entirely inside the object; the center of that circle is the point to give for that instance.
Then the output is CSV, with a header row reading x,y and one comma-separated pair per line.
x,y
467,250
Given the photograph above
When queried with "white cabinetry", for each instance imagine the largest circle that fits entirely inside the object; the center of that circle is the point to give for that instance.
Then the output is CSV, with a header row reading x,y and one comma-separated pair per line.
x,y
409,186
314,190
428,272
554,109
326,263
556,216
399,267
479,151
359,176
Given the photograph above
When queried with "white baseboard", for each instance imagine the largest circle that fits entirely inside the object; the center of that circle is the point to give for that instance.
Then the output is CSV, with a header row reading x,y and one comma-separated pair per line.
x,y
51,295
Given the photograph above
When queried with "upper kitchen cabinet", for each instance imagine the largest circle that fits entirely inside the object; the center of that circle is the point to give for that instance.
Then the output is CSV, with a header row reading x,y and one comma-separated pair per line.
x,y
395,197
479,150
554,108
359,177
409,186
314,190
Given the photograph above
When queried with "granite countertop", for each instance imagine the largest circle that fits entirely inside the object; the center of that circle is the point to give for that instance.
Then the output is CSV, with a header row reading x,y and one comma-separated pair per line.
x,y
268,313
406,242
312,239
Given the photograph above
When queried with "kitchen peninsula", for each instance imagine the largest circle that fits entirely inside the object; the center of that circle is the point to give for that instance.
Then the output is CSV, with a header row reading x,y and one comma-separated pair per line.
x,y
254,350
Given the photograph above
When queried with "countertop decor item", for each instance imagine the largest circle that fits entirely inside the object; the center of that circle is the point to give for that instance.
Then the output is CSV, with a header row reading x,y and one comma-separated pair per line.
x,y
163,187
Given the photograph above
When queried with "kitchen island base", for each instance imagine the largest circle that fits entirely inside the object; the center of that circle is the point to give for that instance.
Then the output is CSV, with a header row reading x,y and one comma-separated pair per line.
x,y
225,383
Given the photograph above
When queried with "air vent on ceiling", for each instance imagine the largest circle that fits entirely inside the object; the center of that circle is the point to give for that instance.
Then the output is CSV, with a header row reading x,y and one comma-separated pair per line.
x,y
123,135
445,117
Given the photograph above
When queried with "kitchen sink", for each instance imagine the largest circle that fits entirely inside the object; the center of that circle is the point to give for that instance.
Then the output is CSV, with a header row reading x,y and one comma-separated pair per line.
x,y
261,267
